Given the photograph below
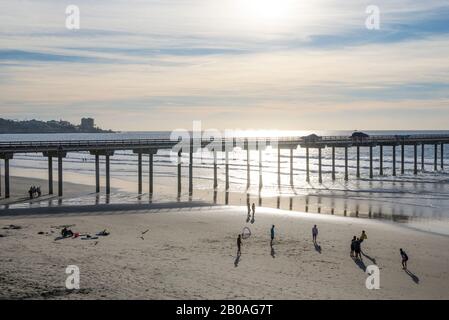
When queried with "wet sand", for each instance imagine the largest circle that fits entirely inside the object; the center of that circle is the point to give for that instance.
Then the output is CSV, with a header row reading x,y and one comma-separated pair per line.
x,y
19,187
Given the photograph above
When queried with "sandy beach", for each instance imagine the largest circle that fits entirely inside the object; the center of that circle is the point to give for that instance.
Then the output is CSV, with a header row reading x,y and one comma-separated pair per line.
x,y
20,186
189,252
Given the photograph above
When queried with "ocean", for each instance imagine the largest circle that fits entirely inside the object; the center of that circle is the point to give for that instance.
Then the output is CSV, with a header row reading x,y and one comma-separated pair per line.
x,y
416,201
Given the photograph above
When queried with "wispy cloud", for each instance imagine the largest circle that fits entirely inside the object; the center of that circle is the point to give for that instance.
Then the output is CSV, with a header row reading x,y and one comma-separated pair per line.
x,y
183,60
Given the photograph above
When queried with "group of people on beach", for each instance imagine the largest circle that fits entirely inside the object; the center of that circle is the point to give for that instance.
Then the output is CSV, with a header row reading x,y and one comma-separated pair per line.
x,y
356,242
34,192
356,245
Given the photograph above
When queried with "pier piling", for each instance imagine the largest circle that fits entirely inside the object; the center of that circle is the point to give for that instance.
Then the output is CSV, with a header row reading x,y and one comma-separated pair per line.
x,y
191,168
260,169
7,178
394,161
422,157
320,178
291,167
307,165
179,172
371,162
139,172
358,162
402,158
435,162
248,172
108,175
381,160
97,173
415,156
215,170
346,164
150,172
60,182
279,166
50,174
333,163
227,170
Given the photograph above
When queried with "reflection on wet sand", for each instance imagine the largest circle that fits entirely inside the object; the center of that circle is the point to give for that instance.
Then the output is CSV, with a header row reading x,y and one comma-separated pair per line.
x,y
363,206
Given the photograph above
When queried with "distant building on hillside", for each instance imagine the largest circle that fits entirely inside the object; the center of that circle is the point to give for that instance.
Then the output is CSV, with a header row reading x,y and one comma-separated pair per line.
x,y
87,124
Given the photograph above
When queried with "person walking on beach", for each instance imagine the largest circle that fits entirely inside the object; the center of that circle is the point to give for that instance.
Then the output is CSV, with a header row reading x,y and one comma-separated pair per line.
x,y
239,244
314,233
353,246
404,259
363,236
272,235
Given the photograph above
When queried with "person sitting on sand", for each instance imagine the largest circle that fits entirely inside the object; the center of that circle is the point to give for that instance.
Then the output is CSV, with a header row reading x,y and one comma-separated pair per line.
x,y
239,244
404,258
103,233
314,233
66,233
353,246
363,236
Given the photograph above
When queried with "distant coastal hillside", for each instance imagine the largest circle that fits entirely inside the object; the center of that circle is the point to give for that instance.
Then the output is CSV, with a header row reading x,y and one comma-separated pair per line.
x,y
37,126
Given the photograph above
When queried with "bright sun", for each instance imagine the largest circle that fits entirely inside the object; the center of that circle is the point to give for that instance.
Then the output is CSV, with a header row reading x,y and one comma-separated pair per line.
x,y
265,9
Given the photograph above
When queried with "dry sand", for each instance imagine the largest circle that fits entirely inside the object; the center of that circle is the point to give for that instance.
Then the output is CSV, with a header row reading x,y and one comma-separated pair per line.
x,y
190,253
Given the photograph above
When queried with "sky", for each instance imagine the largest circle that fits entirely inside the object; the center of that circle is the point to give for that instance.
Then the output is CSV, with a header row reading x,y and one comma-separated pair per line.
x,y
231,64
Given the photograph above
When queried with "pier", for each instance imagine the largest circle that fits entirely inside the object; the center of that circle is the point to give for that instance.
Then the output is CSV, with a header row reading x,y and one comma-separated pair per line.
x,y
149,147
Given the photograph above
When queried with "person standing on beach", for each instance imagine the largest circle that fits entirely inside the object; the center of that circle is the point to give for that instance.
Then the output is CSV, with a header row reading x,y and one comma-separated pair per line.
x,y
363,236
272,235
353,246
404,259
239,244
357,249
314,233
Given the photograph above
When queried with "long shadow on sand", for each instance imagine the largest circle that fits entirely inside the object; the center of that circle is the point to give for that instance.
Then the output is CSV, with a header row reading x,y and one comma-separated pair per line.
x,y
373,260
103,208
272,252
317,247
360,263
413,276
237,260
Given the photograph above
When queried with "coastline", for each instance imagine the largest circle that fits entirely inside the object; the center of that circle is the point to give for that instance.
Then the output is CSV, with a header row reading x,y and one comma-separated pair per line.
x,y
190,253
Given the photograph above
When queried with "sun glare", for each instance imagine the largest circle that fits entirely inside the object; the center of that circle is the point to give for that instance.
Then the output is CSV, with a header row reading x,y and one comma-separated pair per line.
x,y
265,9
